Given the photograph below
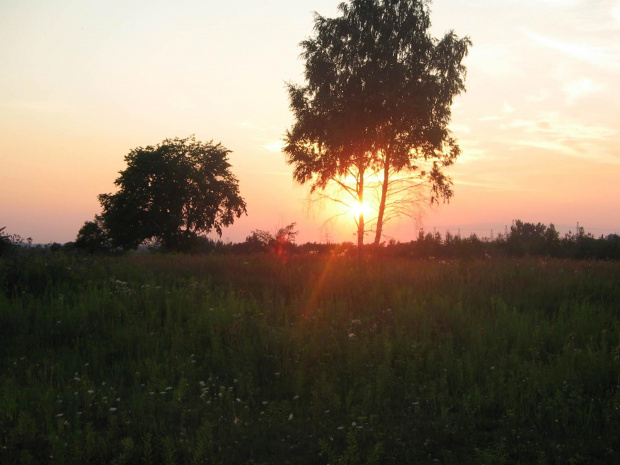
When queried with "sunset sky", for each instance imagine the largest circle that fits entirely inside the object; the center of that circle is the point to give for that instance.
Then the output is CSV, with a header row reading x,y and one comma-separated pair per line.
x,y
82,83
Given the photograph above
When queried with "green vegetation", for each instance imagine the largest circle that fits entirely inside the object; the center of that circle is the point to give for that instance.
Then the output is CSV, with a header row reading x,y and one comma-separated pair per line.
x,y
246,359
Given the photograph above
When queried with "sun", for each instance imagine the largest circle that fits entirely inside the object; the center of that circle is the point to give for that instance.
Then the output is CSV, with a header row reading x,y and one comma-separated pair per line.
x,y
358,209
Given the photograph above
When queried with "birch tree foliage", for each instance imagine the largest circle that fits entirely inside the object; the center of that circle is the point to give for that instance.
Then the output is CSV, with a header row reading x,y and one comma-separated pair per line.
x,y
376,101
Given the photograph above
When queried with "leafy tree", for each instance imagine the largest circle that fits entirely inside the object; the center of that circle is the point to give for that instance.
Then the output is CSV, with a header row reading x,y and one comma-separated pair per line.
x,y
5,242
171,193
532,239
279,242
10,242
376,105
93,237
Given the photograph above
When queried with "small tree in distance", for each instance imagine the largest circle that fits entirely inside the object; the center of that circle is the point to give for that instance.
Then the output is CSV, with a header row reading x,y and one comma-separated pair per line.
x,y
376,105
279,242
170,194
93,237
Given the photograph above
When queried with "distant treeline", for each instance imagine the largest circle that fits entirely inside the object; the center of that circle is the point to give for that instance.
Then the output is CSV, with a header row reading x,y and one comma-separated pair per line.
x,y
523,239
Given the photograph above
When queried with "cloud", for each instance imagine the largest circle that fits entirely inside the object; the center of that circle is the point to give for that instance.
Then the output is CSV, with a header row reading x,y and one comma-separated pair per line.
x,y
581,88
495,181
549,145
39,106
603,57
272,173
550,132
615,12
459,128
493,59
562,2
275,146
508,108
541,96
470,151
550,126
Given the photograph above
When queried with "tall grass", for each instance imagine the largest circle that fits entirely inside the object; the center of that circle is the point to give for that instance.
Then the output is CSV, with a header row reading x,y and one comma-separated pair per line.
x,y
175,359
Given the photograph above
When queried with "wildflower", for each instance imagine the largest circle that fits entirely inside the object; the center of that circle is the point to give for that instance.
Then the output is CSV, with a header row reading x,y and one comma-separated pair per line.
x,y
112,409
290,417
59,415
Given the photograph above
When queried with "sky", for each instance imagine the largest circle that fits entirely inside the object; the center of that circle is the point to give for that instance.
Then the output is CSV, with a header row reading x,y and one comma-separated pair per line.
x,y
83,83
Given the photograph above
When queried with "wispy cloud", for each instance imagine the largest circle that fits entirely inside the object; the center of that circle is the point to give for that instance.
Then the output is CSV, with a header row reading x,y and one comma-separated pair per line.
x,y
549,145
493,59
550,132
39,106
550,125
275,146
459,128
603,57
268,173
470,151
581,88
615,12
541,96
562,2
492,181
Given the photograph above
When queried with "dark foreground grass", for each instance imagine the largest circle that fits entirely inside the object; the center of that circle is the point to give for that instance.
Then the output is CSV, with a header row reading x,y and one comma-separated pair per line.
x,y
227,360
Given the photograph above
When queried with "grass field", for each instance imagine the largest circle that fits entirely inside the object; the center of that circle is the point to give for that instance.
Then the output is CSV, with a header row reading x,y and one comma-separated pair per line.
x,y
160,359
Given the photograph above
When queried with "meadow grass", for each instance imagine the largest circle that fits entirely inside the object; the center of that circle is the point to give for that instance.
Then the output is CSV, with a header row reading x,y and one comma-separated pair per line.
x,y
227,360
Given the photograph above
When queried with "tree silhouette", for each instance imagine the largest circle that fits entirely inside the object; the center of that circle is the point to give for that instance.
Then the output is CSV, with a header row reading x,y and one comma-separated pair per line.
x,y
170,193
93,237
376,104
